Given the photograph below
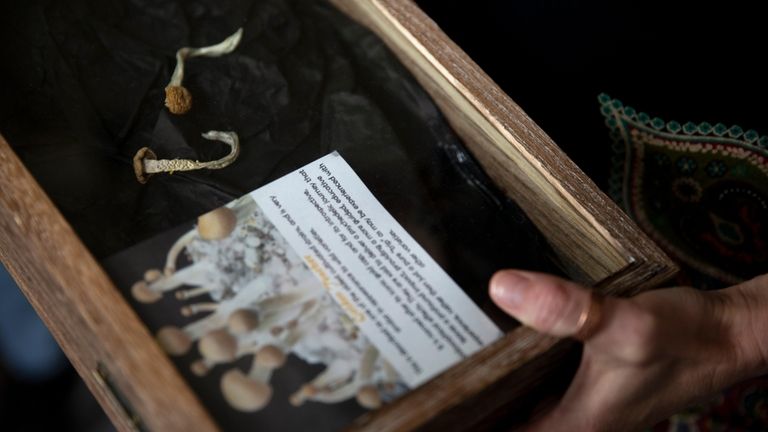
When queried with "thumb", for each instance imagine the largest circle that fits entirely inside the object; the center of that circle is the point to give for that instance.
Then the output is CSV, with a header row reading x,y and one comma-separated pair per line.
x,y
543,302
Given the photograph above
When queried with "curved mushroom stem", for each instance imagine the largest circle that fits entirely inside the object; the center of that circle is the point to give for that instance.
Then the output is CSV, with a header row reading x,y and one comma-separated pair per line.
x,y
178,246
152,166
224,47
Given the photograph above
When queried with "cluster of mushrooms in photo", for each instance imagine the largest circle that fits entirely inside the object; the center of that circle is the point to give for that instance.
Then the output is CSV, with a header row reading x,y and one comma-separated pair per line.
x,y
261,300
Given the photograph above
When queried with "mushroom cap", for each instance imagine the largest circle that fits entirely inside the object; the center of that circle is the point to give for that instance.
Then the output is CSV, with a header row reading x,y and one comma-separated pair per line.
x,y
138,163
142,293
187,311
270,356
300,396
173,340
368,397
243,393
178,99
199,368
218,346
152,275
216,224
243,321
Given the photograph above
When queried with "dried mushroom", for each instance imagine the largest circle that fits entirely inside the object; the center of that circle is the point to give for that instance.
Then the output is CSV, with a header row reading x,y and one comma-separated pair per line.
x,y
177,98
145,162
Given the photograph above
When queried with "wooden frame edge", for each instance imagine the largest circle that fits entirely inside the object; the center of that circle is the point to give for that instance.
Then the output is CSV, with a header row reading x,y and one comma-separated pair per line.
x,y
79,304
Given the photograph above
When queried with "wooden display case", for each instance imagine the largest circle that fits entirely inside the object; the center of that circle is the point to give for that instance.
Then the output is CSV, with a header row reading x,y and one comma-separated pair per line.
x,y
138,386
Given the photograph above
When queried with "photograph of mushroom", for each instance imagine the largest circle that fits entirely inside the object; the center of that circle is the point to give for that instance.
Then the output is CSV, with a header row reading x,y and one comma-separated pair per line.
x,y
247,296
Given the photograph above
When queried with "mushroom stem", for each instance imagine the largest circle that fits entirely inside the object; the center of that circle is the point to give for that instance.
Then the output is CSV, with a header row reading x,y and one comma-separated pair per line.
x,y
197,308
308,319
303,294
224,47
194,292
198,274
178,246
148,165
367,363
278,315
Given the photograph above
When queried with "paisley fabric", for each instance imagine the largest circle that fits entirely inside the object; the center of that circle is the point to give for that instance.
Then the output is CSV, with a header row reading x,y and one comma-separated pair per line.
x,y
700,190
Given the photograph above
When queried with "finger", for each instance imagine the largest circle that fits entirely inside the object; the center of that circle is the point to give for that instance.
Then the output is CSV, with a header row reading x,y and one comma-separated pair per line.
x,y
546,303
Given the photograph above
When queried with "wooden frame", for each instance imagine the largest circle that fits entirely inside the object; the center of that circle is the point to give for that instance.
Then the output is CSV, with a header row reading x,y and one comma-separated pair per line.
x,y
138,386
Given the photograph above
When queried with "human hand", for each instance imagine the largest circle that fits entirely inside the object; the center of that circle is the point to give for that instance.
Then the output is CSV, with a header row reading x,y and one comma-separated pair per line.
x,y
651,355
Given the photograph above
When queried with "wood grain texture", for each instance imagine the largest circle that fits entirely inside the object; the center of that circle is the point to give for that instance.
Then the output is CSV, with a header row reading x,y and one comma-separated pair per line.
x,y
596,242
85,312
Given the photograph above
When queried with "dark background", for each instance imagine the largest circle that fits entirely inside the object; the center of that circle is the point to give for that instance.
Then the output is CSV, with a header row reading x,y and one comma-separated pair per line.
x,y
681,61
687,62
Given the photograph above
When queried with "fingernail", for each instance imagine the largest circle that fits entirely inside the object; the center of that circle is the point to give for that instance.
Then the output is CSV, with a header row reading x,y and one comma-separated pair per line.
x,y
508,288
